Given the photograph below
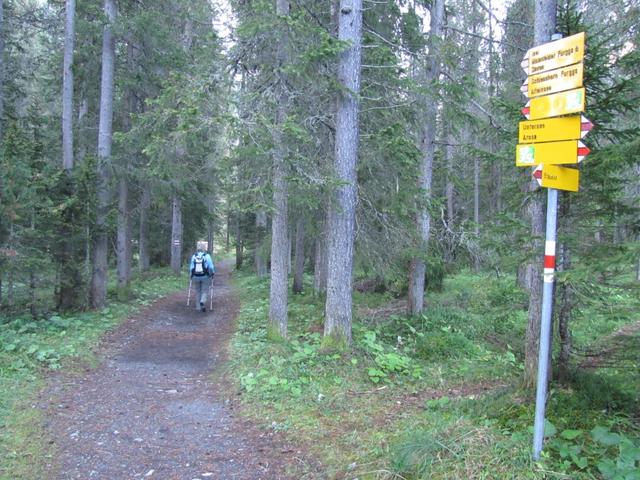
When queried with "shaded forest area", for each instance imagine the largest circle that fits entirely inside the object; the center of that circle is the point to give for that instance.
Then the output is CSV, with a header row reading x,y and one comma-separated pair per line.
x,y
358,155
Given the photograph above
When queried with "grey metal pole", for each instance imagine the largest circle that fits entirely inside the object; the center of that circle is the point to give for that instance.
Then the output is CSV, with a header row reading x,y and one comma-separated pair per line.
x,y
545,321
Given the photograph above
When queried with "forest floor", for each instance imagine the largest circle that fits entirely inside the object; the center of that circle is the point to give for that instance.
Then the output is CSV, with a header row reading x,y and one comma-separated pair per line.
x,y
157,405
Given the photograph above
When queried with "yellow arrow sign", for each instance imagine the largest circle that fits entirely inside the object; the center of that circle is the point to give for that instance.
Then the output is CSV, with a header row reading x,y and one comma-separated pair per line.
x,y
560,53
554,81
568,152
551,129
560,178
563,103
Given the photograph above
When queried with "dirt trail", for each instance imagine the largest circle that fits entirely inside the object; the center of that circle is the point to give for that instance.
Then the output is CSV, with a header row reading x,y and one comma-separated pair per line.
x,y
151,410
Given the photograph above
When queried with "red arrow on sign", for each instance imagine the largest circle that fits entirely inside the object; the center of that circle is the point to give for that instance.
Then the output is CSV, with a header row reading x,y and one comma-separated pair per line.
x,y
537,174
585,126
583,151
526,109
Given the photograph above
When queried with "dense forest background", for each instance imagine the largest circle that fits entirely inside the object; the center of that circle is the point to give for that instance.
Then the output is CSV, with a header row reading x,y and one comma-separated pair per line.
x,y
372,154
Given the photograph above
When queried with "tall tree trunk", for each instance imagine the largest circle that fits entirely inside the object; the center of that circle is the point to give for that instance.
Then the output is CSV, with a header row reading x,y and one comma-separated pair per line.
x,y
123,248
227,243
103,196
176,234
261,248
320,262
143,240
417,268
239,244
1,74
449,193
70,278
278,294
122,245
342,209
298,272
67,85
545,23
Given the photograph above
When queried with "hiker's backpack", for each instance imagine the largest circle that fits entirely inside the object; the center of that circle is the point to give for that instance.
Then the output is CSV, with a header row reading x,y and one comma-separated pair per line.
x,y
200,268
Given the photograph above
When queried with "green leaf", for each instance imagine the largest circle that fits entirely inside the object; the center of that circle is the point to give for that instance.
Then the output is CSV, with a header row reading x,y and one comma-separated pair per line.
x,y
571,434
549,429
602,435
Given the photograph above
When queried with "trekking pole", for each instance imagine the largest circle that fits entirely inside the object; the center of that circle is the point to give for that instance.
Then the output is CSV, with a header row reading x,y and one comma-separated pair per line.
x,y
189,294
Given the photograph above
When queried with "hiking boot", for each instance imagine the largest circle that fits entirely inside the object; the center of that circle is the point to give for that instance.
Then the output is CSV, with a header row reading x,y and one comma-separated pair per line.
x,y
202,307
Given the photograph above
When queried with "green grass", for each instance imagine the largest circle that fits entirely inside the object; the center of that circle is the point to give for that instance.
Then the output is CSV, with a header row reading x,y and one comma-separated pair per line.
x,y
29,348
406,401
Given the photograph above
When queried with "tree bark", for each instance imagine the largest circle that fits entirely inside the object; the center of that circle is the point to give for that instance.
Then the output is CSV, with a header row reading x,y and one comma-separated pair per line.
x,y
176,234
239,246
544,27
1,74
123,241
67,85
278,294
103,194
342,210
417,268
298,272
261,247
143,240
320,260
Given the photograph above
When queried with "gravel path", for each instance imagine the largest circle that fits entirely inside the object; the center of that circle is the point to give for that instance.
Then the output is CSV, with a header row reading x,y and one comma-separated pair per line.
x,y
152,409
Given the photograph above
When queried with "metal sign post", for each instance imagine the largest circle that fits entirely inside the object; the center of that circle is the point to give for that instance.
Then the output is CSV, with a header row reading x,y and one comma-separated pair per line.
x,y
545,321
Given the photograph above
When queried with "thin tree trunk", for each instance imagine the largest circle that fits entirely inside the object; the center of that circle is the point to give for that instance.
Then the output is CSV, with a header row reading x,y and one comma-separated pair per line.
x,y
1,75
122,247
545,22
417,268
70,278
227,243
10,289
103,196
239,245
298,273
67,86
338,312
210,224
278,294
176,234
143,241
33,294
261,247
320,262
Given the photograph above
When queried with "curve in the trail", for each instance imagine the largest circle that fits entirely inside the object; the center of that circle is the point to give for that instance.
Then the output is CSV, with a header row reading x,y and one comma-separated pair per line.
x,y
151,410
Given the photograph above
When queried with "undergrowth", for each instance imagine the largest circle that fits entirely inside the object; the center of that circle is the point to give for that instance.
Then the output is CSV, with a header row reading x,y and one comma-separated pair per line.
x,y
427,397
31,347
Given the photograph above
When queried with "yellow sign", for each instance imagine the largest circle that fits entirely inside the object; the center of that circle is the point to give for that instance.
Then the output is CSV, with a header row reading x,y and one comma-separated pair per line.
x,y
552,55
563,103
555,81
550,153
560,178
551,129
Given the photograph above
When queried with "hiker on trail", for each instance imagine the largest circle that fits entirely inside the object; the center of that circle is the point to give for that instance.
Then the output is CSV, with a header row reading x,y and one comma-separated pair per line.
x,y
202,270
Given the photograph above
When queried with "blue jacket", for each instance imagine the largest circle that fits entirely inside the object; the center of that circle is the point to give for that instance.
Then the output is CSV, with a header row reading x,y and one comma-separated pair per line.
x,y
208,263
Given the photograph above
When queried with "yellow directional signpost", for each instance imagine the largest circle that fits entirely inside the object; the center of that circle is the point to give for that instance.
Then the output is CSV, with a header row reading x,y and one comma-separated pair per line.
x,y
566,152
552,55
553,129
548,139
546,83
560,178
563,103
